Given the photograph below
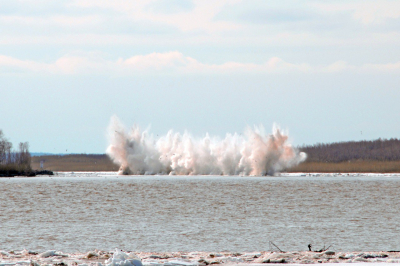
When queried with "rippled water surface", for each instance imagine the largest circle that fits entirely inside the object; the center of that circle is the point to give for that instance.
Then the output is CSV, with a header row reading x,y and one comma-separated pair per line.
x,y
153,213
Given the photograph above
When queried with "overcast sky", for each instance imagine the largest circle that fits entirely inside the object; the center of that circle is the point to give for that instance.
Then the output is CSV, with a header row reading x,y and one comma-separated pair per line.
x,y
325,71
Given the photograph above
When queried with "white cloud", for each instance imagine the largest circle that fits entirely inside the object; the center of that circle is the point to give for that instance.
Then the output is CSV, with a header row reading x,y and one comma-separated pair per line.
x,y
367,12
170,6
158,61
60,20
75,64
173,62
125,22
9,64
382,67
198,18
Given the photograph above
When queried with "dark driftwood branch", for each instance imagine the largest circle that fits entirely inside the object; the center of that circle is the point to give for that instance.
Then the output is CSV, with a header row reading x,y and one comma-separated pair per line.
x,y
272,243
321,250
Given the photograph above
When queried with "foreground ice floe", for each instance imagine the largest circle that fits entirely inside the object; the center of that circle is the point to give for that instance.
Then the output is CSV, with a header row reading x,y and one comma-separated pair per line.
x,y
120,258
85,174
123,259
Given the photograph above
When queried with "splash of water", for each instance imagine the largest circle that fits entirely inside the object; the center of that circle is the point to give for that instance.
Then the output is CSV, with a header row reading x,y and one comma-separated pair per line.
x,y
255,153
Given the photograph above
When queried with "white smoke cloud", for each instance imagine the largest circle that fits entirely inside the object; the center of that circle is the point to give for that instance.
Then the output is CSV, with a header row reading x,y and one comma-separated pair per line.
x,y
255,153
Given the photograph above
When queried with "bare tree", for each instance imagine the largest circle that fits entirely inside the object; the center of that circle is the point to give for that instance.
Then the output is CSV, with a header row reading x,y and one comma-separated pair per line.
x,y
11,160
5,149
24,157
2,147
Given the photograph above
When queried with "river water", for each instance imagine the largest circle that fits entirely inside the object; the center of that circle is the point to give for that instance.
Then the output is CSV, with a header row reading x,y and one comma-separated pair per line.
x,y
81,212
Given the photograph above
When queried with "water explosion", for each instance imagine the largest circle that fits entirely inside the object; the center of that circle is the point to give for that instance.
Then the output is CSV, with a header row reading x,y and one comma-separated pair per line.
x,y
255,153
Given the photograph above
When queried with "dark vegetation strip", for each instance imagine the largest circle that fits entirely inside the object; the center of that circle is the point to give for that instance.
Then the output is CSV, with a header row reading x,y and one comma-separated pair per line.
x,y
376,150
376,156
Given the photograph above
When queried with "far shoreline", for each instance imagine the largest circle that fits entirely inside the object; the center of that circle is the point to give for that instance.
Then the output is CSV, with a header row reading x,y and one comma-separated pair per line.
x,y
60,174
102,163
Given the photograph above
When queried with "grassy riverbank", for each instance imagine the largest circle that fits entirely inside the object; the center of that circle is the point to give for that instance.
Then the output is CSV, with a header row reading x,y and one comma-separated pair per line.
x,y
348,167
75,162
101,162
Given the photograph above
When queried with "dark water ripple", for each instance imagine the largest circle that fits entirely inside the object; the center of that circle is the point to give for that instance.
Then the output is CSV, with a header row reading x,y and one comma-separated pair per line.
x,y
199,213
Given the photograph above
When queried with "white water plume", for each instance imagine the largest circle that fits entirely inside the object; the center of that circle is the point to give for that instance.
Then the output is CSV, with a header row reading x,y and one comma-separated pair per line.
x,y
255,153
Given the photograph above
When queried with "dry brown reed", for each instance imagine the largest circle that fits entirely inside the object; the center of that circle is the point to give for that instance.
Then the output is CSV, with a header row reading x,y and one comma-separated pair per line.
x,y
75,162
101,162
348,167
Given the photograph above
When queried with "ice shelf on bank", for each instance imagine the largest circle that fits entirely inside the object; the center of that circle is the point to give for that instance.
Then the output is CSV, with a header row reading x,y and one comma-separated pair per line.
x,y
118,257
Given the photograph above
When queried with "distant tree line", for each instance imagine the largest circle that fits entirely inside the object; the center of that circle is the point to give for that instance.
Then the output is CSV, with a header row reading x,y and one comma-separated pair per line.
x,y
13,162
375,150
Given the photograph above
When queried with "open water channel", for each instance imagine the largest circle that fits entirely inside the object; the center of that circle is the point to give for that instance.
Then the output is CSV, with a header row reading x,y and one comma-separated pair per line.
x,y
81,212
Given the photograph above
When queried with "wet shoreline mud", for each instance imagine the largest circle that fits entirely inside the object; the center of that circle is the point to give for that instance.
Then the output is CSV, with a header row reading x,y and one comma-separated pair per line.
x,y
118,257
